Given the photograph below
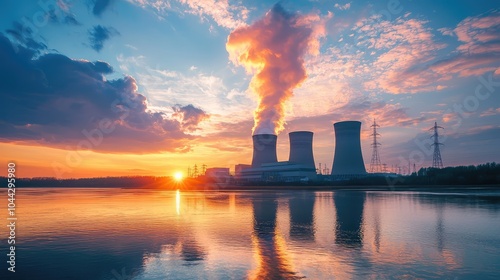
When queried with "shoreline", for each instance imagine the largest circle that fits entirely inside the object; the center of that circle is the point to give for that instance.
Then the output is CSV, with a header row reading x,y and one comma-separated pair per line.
x,y
370,188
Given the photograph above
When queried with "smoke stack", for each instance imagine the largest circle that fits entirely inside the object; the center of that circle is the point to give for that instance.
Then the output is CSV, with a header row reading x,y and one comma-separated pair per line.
x,y
348,159
264,149
301,150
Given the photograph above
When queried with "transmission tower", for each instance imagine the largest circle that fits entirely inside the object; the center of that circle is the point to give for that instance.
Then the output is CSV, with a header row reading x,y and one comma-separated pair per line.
x,y
437,162
375,165
195,171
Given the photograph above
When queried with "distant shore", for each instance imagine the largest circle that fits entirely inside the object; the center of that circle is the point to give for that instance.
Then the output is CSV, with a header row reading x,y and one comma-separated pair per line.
x,y
481,177
366,188
229,188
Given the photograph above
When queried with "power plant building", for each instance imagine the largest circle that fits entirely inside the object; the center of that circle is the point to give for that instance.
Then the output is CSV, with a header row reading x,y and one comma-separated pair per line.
x,y
217,172
347,163
238,170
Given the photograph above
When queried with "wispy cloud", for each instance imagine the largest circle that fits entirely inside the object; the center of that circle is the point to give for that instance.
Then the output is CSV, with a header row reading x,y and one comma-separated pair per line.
x,y
446,31
402,47
490,112
165,88
224,13
100,34
100,6
24,36
221,11
62,16
343,7
405,55
479,49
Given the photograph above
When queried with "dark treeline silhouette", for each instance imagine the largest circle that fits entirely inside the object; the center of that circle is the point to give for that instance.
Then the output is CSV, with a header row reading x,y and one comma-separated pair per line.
x,y
101,182
488,173
483,174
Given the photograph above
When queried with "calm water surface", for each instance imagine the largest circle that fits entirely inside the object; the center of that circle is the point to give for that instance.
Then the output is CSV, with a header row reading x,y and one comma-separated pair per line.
x,y
149,234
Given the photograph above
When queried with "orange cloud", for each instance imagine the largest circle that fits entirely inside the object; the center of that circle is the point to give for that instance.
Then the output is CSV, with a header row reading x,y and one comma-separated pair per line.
x,y
409,61
408,42
273,49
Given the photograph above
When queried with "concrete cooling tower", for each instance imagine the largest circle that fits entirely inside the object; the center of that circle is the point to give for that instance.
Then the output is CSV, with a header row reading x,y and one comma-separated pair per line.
x,y
301,150
348,159
264,149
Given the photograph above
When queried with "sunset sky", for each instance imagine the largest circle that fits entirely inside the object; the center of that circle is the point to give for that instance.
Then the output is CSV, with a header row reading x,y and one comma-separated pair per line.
x,y
148,87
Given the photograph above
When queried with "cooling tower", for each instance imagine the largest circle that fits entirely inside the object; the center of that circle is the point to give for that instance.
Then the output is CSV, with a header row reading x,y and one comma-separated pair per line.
x,y
301,150
264,149
348,159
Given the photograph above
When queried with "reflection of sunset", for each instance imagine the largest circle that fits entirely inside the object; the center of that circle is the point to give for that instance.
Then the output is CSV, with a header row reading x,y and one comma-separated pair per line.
x,y
273,260
269,246
255,233
178,202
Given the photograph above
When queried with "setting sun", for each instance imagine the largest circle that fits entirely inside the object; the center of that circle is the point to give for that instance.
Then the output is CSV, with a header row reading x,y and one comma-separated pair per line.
x,y
178,176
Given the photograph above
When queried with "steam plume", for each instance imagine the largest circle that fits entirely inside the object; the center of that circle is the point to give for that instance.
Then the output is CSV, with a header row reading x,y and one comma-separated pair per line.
x,y
272,49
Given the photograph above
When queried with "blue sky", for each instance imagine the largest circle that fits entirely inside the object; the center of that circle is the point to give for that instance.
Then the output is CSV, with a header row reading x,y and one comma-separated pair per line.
x,y
405,63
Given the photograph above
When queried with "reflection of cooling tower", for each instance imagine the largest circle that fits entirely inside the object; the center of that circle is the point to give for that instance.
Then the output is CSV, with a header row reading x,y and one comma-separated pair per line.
x,y
264,149
273,261
191,252
349,226
302,216
301,150
264,216
348,158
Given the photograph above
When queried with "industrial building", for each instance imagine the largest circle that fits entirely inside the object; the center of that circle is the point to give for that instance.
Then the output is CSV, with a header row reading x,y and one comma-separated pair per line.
x,y
218,175
238,170
217,172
